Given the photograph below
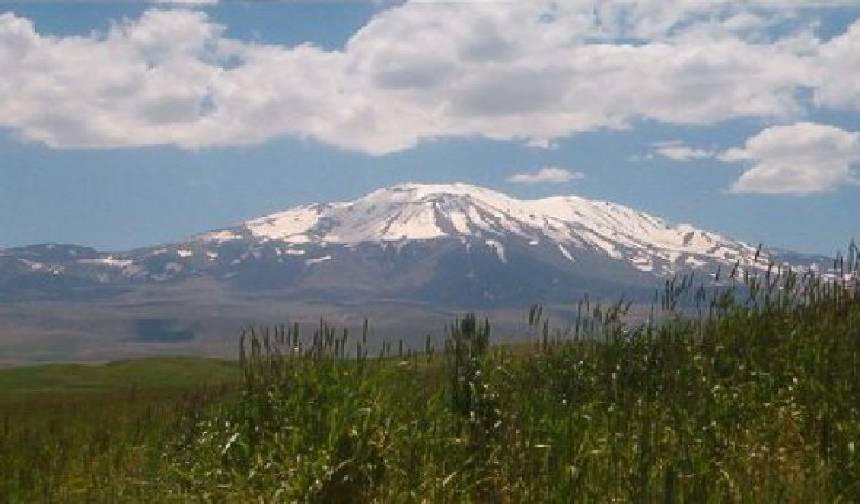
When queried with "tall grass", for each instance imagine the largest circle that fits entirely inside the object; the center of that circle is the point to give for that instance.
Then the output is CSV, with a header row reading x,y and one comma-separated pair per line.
x,y
91,446
742,389
755,398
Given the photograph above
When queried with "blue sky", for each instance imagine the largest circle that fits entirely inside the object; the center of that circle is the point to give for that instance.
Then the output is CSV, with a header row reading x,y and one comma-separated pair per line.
x,y
128,124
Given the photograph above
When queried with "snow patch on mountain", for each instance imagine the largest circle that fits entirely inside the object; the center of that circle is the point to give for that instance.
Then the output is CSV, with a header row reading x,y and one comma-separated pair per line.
x,y
566,253
33,265
108,261
292,225
498,248
220,236
317,260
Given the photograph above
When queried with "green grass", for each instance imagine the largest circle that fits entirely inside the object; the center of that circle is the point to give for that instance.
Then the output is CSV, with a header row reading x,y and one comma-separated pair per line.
x,y
754,398
150,373
78,433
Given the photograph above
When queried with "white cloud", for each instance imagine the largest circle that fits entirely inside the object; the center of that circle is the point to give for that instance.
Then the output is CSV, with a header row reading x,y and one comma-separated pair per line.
x,y
186,3
542,143
677,151
530,72
546,175
839,65
801,158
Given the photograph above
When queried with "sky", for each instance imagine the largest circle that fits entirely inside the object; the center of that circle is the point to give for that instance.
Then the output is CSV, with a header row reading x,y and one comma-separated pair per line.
x,y
126,124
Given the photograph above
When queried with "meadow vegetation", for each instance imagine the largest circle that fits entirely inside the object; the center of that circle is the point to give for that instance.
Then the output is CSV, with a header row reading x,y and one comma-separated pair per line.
x,y
748,390
81,433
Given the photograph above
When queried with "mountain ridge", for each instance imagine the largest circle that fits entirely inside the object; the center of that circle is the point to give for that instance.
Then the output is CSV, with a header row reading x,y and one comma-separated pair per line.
x,y
436,243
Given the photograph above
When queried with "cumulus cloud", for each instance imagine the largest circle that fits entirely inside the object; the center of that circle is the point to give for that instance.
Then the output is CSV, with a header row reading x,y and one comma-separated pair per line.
x,y
531,72
546,175
836,85
801,158
677,151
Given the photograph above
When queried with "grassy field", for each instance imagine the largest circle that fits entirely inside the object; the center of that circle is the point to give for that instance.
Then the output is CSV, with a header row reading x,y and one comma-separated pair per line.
x,y
78,433
159,372
738,394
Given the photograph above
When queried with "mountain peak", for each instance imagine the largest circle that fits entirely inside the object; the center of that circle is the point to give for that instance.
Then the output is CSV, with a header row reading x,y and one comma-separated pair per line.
x,y
418,191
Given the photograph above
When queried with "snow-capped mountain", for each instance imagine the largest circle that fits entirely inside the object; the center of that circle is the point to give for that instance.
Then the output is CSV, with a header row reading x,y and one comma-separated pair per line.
x,y
570,224
452,244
